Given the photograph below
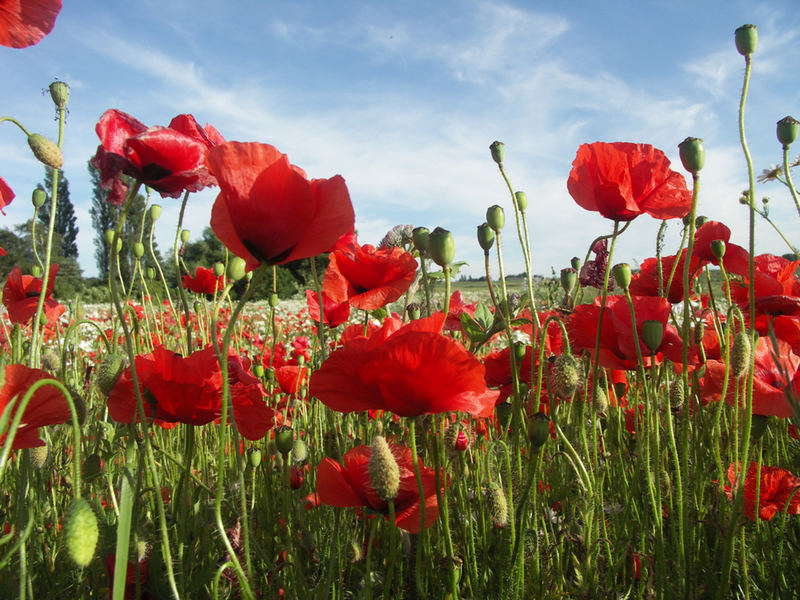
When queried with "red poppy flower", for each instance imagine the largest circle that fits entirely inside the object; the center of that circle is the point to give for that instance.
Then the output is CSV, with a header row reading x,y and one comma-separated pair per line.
x,y
6,195
268,211
736,258
189,390
775,367
21,296
47,406
368,278
623,180
785,327
775,488
617,344
457,308
408,370
204,281
777,290
349,485
334,313
646,282
24,23
170,160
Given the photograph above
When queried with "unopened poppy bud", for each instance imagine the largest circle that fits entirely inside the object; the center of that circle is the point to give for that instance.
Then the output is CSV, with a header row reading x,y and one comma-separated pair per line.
x,y
700,221
38,198
38,456
699,332
151,273
299,452
718,248
740,354
601,402
109,371
81,532
693,154
155,212
497,505
495,217
569,277
677,394
566,375
254,458
498,150
455,438
46,151
59,92
442,247
185,235
521,198
420,236
758,427
284,439
414,311
746,39
788,128
384,473
575,263
538,429
519,351
295,478
652,333
138,249
36,271
219,269
485,237
622,275
51,361
273,300
236,268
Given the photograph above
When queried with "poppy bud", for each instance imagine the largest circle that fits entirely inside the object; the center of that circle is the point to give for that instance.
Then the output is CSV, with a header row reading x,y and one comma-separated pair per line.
x,y
569,277
693,154
498,150
138,249
788,128
652,333
236,268
254,458
746,39
622,275
566,375
59,92
740,354
485,237
538,429
81,532
677,394
699,332
284,439
519,351
299,452
38,456
601,402
455,439
109,371
576,263
414,311
51,361
384,473
38,198
718,248
185,236
151,273
521,199
36,271
155,212
258,370
46,151
295,478
441,246
700,221
495,217
498,505
420,237
219,269
273,300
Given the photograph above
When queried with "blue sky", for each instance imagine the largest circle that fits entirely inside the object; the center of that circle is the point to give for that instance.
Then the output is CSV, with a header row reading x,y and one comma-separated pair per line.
x,y
403,99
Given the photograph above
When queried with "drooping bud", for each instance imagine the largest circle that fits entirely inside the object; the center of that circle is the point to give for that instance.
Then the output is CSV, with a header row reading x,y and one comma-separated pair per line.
x,y
442,247
622,275
497,504
787,130
38,198
498,150
495,217
236,268
485,237
109,371
538,429
740,354
384,473
569,277
59,92
652,333
284,439
81,532
746,39
601,402
38,456
566,375
521,198
421,236
46,151
155,212
693,154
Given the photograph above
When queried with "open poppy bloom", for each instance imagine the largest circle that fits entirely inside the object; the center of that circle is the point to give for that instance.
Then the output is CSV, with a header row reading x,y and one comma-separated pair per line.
x,y
21,296
777,290
349,485
623,180
407,369
47,406
269,212
170,160
6,195
333,313
24,23
774,490
189,390
646,281
204,281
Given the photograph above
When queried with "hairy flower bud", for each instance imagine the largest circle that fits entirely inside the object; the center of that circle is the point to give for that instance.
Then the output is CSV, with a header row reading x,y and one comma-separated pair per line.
x,y
677,395
746,39
787,130
109,371
538,429
497,505
693,154
299,452
384,473
741,352
46,151
455,438
38,456
81,532
566,375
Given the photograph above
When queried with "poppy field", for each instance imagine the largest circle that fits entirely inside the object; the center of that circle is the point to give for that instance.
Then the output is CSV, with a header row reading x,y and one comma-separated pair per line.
x,y
607,433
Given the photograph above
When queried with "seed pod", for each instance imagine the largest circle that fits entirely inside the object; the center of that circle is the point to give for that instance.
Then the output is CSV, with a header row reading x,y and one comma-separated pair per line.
x,y
81,532
441,246
236,268
495,217
284,439
254,458
566,375
693,154
185,235
746,39
38,197
787,130
46,151
718,248
521,198
569,277
421,236
498,150
155,212
384,473
485,237
652,333
497,505
138,249
740,354
622,275
59,92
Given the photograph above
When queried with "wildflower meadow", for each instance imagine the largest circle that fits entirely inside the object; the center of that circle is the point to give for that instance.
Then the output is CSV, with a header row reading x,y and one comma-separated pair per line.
x,y
608,432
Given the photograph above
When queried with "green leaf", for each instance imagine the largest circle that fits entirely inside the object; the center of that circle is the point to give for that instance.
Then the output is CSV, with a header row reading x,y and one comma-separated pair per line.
x,y
483,316
472,329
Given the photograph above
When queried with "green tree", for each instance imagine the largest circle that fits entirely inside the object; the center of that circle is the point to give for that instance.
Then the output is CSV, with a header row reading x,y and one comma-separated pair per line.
x,y
65,222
